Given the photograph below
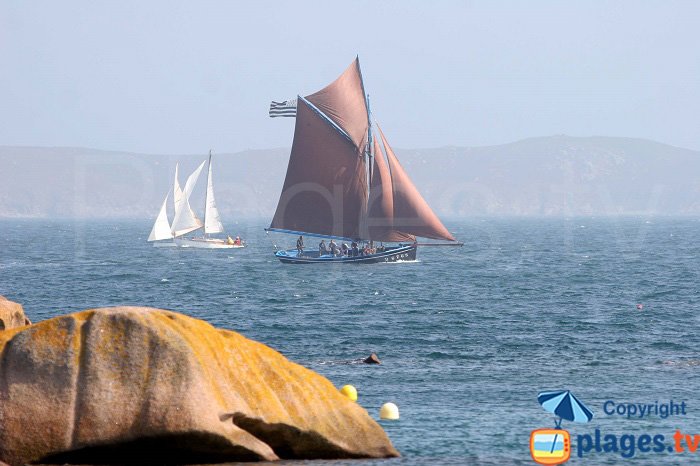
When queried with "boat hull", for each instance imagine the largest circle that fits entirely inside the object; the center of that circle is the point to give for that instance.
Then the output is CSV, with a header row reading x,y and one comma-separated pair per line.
x,y
164,244
399,253
205,243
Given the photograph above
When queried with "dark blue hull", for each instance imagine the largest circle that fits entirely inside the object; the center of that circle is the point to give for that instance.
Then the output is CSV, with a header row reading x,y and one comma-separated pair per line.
x,y
390,254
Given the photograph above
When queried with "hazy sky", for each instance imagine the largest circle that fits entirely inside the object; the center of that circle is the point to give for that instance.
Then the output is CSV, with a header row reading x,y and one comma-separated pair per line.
x,y
183,77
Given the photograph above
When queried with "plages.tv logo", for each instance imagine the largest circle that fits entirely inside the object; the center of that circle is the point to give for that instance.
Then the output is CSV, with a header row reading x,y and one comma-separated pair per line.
x,y
553,446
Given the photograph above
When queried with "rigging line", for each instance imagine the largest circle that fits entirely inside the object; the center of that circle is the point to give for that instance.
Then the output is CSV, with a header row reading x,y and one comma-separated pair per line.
x,y
274,245
362,80
328,120
313,235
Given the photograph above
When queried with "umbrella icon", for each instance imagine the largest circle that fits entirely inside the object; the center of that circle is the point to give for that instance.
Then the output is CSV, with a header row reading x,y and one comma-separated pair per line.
x,y
564,404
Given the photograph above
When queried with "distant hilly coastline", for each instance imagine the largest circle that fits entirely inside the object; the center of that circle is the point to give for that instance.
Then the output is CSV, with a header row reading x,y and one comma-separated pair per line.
x,y
545,176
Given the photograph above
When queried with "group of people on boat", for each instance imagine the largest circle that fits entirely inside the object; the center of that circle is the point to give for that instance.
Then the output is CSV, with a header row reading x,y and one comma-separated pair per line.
x,y
354,250
332,249
235,242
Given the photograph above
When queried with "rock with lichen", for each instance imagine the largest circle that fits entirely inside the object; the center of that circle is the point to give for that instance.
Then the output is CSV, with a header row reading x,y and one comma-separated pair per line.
x,y
135,385
11,314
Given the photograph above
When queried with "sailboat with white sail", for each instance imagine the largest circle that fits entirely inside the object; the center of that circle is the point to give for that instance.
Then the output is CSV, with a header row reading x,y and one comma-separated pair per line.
x,y
344,183
186,221
161,234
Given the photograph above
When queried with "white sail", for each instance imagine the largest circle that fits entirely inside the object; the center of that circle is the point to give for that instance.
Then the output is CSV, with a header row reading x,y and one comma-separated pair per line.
x,y
185,219
177,191
192,180
161,229
212,219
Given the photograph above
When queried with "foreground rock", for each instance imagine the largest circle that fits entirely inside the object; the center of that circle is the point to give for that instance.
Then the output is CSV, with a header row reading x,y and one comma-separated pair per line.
x,y
11,314
139,385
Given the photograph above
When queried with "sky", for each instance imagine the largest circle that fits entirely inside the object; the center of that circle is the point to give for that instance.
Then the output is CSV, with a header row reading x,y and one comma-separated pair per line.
x,y
174,77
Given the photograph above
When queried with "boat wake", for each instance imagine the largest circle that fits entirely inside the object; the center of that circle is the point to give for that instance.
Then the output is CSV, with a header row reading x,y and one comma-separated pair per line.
x,y
342,362
682,363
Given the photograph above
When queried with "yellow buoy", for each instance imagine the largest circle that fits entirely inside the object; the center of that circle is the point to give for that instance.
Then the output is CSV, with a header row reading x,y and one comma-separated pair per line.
x,y
389,411
349,391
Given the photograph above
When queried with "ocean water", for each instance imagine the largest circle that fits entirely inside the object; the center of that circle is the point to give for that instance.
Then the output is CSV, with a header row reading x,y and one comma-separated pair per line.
x,y
467,336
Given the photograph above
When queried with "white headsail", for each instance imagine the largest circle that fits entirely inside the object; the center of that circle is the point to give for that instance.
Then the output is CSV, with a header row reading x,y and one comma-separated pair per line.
x,y
212,219
161,229
185,219
177,191
192,180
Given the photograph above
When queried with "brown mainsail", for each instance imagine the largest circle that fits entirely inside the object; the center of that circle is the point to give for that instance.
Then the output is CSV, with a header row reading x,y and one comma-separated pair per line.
x,y
343,101
330,191
325,191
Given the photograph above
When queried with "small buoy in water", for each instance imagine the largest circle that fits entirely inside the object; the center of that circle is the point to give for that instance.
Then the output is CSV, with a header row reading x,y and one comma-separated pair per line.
x,y
640,306
389,412
349,391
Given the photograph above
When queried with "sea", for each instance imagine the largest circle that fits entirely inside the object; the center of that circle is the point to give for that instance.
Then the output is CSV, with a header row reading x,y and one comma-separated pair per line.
x,y
607,308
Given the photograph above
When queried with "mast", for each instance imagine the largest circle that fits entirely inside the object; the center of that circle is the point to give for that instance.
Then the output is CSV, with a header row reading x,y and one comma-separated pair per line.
x,y
369,158
206,195
370,146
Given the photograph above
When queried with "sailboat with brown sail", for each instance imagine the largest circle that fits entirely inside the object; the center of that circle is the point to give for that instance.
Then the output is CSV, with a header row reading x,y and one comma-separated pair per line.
x,y
345,184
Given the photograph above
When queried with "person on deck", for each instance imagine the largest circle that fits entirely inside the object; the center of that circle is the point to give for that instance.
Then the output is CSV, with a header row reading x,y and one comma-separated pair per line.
x,y
355,250
237,241
333,247
344,250
300,245
322,249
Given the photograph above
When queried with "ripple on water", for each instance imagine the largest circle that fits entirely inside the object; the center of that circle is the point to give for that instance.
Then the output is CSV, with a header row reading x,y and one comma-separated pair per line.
x,y
467,336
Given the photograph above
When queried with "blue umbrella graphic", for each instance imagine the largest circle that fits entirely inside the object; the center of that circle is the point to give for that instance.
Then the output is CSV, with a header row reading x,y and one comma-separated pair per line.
x,y
564,404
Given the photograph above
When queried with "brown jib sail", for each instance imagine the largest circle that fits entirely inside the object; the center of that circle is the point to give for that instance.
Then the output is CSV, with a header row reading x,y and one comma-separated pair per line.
x,y
328,189
411,214
380,212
